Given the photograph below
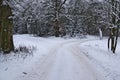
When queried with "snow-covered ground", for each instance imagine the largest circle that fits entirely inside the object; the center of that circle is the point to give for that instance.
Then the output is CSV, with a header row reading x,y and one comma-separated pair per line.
x,y
61,59
105,61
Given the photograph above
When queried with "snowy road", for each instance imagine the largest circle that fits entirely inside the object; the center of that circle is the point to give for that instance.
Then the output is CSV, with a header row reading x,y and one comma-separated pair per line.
x,y
64,62
61,59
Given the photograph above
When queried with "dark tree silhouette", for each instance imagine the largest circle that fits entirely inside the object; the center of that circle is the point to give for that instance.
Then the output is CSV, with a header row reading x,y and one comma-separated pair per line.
x,y
6,27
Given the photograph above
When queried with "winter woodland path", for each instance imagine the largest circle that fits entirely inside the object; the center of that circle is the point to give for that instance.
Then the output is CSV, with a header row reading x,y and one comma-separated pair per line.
x,y
65,61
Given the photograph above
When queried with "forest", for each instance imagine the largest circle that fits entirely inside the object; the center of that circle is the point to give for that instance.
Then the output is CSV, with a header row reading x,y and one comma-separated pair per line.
x,y
59,39
57,18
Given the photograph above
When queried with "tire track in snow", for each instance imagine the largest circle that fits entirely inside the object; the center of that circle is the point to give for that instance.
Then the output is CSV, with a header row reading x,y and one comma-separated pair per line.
x,y
86,63
109,74
64,70
56,64
41,68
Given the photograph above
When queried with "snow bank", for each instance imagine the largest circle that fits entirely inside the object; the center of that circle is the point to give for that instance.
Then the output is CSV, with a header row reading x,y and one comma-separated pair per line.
x,y
105,61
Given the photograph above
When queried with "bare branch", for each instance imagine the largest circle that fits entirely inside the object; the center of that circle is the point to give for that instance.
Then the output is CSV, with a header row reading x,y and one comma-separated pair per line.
x,y
62,4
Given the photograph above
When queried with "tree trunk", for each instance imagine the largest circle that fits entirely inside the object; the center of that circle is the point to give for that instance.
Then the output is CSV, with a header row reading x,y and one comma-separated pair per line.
x,y
56,24
114,29
115,45
6,27
58,7
0,22
100,33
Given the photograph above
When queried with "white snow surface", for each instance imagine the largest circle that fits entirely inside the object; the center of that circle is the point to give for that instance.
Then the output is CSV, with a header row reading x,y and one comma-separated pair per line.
x,y
61,59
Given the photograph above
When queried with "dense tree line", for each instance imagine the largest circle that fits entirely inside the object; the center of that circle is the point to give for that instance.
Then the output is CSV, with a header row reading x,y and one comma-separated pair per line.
x,y
56,18
60,17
